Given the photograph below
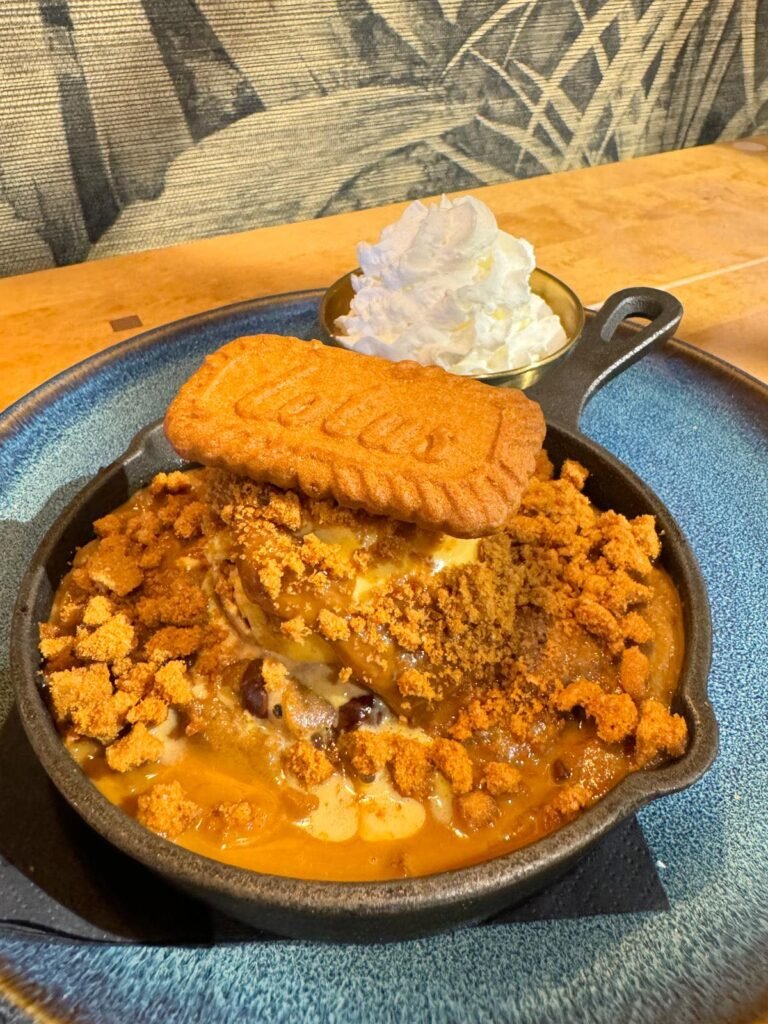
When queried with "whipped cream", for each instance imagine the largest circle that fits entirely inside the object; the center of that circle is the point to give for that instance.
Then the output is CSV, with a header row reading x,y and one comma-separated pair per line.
x,y
444,285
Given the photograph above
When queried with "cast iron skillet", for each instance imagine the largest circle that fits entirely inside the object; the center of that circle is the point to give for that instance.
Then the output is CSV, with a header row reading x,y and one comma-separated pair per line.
x,y
413,906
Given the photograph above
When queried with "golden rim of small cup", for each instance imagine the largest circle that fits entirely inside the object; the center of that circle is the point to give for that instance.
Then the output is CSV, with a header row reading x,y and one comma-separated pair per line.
x,y
561,299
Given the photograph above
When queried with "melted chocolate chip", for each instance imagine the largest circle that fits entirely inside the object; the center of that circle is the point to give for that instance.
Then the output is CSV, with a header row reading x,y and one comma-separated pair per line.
x,y
560,770
253,693
357,710
277,710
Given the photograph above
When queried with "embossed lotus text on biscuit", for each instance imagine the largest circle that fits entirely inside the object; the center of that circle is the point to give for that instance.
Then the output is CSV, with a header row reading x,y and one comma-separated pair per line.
x,y
361,417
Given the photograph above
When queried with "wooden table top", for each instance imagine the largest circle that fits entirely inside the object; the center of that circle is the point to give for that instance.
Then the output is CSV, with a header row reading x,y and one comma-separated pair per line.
x,y
694,222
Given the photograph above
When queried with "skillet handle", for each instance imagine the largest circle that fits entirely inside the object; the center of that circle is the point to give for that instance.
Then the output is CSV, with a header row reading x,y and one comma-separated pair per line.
x,y
599,354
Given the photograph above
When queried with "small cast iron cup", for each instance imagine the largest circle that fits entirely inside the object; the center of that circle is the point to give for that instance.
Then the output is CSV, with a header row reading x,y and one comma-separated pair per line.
x,y
558,296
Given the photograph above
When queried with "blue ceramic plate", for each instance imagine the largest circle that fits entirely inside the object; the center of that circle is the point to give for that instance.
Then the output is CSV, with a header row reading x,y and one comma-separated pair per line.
x,y
697,432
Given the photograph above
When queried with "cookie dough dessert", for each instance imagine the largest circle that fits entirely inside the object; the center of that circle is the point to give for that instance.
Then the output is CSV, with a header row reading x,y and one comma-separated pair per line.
x,y
374,634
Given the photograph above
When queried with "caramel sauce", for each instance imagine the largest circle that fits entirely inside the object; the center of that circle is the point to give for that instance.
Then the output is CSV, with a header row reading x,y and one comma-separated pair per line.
x,y
211,776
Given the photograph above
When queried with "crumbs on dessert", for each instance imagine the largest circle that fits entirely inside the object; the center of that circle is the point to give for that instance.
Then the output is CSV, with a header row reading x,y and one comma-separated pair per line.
x,y
484,646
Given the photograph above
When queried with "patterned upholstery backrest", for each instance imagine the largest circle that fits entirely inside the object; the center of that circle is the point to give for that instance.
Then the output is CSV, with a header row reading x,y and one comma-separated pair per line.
x,y
129,124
